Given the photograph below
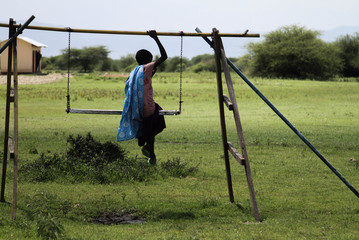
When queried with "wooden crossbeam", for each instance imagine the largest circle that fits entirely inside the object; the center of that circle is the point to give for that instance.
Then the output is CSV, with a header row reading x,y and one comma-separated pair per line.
x,y
119,32
117,112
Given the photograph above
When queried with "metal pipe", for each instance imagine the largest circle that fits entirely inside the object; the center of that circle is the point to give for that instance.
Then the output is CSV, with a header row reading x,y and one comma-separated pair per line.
x,y
294,129
289,124
57,29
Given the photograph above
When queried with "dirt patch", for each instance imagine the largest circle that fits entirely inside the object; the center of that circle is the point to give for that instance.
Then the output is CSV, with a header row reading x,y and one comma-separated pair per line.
x,y
115,218
35,79
115,75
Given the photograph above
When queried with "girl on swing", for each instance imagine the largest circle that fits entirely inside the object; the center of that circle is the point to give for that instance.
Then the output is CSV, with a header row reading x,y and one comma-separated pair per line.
x,y
140,118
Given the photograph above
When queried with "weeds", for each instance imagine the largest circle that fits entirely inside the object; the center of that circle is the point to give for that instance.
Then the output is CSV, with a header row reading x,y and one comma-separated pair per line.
x,y
354,162
44,210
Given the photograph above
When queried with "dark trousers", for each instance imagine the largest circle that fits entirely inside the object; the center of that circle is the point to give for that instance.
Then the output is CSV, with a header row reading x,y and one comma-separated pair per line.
x,y
151,126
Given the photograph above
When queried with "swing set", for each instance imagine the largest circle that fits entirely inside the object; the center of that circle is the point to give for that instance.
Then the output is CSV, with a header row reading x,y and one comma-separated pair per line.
x,y
223,64
116,112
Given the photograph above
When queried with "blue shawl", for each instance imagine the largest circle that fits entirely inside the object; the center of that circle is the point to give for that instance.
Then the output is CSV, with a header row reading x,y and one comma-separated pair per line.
x,y
131,120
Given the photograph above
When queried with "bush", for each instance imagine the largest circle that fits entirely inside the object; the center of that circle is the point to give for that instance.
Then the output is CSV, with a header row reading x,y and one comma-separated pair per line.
x,y
177,169
92,161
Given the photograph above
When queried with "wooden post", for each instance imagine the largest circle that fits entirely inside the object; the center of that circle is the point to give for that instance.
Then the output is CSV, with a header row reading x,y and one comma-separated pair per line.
x,y
16,131
7,113
222,117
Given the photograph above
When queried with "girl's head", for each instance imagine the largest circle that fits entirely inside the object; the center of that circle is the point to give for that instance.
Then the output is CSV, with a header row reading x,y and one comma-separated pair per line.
x,y
143,57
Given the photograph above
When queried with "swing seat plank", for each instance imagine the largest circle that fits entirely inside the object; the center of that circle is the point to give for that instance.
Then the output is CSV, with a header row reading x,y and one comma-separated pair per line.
x,y
117,112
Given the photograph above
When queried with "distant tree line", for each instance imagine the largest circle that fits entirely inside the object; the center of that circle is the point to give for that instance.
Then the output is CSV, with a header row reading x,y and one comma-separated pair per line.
x,y
289,52
296,52
91,59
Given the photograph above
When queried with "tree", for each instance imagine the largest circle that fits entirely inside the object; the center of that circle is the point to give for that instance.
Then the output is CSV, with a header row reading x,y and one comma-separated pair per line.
x,y
127,63
349,52
51,63
294,52
174,64
204,62
86,59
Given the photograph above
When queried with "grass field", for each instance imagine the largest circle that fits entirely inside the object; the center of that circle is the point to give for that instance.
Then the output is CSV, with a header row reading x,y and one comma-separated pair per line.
x,y
298,196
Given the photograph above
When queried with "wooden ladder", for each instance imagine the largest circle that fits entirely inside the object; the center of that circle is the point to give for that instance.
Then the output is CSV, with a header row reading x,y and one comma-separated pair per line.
x,y
231,103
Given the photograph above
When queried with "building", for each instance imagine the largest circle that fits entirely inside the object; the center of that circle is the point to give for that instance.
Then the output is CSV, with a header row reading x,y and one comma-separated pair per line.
x,y
28,56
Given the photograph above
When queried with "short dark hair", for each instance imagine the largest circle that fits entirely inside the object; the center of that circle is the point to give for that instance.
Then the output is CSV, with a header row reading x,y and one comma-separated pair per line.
x,y
143,57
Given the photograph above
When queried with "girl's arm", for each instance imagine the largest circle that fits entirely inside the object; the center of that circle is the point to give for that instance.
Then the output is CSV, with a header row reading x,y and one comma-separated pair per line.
x,y
163,57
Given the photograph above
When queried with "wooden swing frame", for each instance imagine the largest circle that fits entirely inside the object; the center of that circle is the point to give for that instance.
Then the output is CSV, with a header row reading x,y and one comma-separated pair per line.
x,y
13,146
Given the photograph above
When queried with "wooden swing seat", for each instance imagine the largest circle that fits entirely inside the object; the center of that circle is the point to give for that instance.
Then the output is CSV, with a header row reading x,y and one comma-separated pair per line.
x,y
117,112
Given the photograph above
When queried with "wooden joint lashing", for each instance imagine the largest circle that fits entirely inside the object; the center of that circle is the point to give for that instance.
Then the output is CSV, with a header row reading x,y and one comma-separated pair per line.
x,y
11,148
236,154
228,103
12,95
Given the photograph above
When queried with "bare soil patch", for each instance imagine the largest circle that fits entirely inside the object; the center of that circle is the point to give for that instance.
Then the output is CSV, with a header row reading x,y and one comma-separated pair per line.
x,y
35,79
115,75
107,218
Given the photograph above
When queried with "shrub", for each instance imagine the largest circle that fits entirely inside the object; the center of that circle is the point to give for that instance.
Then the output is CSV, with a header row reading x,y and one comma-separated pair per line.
x,y
92,161
175,168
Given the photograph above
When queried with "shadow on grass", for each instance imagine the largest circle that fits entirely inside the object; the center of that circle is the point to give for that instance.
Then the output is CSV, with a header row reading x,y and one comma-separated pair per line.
x,y
249,211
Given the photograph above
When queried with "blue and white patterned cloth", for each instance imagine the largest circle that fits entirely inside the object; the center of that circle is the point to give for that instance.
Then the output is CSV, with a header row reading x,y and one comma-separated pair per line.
x,y
131,120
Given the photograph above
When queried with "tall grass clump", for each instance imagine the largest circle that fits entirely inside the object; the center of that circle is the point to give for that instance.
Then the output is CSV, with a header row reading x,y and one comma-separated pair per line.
x,y
87,160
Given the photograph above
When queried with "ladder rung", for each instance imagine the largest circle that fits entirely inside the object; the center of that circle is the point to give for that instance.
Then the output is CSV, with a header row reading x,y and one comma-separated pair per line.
x,y
228,102
117,112
235,153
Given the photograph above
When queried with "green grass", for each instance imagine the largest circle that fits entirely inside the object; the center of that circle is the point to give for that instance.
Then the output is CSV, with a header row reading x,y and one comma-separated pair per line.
x,y
298,196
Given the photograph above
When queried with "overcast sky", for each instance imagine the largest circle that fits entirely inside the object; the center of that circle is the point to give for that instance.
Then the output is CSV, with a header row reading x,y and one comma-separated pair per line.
x,y
259,16
165,15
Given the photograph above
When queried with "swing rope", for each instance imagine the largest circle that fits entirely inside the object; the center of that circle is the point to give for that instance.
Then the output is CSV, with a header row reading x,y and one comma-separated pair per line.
x,y
68,108
181,70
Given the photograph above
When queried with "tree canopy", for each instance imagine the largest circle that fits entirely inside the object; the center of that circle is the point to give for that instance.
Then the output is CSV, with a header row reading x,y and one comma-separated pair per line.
x,y
349,52
85,60
294,52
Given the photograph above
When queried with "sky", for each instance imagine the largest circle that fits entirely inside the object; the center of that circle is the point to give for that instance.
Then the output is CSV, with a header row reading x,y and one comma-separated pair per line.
x,y
259,16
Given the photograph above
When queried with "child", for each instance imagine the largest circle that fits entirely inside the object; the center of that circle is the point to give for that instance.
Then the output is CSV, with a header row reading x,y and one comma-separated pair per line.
x,y
140,116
